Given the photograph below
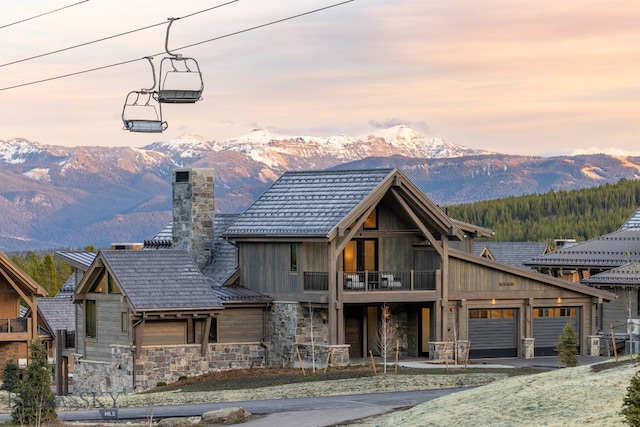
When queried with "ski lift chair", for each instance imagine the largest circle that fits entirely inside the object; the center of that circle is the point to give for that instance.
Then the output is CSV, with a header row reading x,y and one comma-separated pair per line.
x,y
141,111
180,77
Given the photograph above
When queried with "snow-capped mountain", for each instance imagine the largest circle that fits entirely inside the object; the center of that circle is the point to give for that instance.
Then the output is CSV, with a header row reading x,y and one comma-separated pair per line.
x,y
55,196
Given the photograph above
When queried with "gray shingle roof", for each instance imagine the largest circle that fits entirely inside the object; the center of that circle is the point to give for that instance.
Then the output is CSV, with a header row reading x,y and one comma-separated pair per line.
x,y
223,262
608,251
235,293
628,274
306,203
513,253
161,280
58,313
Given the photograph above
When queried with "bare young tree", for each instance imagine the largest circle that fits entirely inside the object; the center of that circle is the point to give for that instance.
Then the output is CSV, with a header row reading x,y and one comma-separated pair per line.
x,y
386,335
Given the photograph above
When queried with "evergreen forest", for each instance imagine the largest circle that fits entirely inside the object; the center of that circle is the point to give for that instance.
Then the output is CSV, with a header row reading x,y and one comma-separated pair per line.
x,y
576,214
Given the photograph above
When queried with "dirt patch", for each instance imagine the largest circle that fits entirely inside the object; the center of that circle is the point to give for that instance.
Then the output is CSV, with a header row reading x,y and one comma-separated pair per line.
x,y
611,365
242,379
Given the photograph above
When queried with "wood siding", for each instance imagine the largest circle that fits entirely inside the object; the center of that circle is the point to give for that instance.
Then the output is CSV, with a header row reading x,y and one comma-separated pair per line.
x,y
238,325
165,332
9,302
264,267
108,327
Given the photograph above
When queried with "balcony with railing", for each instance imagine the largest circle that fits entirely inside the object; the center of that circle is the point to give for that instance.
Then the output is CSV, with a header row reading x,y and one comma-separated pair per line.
x,y
14,329
374,281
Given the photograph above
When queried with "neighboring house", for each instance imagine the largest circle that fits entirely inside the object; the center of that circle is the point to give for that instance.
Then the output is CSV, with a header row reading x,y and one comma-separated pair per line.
x,y
600,263
624,281
340,244
16,331
169,332
512,253
56,324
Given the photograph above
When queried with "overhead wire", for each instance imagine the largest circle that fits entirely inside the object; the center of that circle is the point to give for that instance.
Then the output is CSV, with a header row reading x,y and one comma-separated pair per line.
x,y
113,36
43,14
179,48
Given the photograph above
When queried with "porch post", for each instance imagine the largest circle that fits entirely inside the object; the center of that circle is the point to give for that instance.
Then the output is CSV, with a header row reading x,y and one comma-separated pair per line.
x,y
334,313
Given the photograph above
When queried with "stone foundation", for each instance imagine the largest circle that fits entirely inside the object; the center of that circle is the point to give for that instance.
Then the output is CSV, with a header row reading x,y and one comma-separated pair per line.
x,y
441,351
161,364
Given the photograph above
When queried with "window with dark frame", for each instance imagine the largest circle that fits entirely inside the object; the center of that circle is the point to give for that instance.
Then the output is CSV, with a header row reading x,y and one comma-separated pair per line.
x,y
213,331
124,321
293,257
90,317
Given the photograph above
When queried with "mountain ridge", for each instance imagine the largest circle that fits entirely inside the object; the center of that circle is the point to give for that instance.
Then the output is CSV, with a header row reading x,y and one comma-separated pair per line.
x,y
56,196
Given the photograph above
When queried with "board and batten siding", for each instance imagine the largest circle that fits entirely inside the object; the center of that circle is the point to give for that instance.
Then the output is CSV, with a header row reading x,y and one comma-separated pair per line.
x,y
617,312
239,325
312,256
264,267
9,302
395,254
108,327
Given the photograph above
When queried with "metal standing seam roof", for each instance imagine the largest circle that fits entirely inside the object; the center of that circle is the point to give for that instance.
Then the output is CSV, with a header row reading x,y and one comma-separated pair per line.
x,y
59,313
628,274
308,203
78,259
160,280
632,222
608,251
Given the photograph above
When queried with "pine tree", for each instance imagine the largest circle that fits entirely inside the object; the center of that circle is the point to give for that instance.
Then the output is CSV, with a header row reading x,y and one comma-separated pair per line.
x,y
35,401
631,402
10,379
567,346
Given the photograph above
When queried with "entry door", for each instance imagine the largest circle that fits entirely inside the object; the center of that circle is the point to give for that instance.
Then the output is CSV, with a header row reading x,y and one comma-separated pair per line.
x,y
353,325
425,331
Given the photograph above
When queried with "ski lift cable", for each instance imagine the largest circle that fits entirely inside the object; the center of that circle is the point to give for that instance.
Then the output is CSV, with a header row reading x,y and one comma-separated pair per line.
x,y
113,36
175,49
42,14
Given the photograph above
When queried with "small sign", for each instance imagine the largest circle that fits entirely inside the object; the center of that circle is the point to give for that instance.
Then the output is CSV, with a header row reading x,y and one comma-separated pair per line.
x,y
109,414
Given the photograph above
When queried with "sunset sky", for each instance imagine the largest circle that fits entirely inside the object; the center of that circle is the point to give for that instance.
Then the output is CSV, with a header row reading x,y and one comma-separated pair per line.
x,y
520,77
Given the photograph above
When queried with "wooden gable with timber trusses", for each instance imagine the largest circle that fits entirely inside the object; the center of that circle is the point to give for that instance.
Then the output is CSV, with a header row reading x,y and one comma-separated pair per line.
x,y
322,218
16,333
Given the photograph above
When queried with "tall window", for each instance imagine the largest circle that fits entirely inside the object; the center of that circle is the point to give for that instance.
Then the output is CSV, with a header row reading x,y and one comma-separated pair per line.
x,y
90,318
293,256
213,332
124,321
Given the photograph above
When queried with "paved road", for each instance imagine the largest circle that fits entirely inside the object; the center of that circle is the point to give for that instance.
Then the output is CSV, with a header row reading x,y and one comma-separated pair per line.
x,y
318,411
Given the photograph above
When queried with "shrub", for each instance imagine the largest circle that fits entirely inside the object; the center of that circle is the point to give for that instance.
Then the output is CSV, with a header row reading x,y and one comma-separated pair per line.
x,y
567,347
35,401
161,383
631,402
10,379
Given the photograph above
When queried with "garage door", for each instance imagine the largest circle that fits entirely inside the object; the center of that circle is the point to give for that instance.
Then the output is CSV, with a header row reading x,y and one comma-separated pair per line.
x,y
548,324
493,333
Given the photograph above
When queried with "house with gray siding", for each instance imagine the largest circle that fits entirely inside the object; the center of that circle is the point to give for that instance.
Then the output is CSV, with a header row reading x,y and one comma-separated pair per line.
x,y
333,247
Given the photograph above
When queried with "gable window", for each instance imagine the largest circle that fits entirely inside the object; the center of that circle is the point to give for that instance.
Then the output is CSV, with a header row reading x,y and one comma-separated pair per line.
x,y
293,257
90,317
106,284
371,223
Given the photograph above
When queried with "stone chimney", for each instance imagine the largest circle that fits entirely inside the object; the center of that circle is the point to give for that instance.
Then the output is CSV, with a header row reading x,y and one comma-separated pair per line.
x,y
193,207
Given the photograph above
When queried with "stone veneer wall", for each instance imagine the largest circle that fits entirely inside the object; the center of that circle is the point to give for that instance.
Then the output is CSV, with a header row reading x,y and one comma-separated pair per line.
x,y
95,376
161,364
291,327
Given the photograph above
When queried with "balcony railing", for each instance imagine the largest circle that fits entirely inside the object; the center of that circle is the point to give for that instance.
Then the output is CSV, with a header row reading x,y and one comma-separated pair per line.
x,y
374,280
13,326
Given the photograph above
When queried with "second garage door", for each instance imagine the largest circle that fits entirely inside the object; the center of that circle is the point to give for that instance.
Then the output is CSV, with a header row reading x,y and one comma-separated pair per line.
x,y
548,324
493,333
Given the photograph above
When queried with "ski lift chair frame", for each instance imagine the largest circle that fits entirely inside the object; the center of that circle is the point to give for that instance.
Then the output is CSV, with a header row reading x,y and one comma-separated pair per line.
x,y
178,65
144,98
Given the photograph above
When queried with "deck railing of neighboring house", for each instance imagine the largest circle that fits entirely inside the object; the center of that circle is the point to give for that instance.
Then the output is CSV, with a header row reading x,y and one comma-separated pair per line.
x,y
9,326
375,281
